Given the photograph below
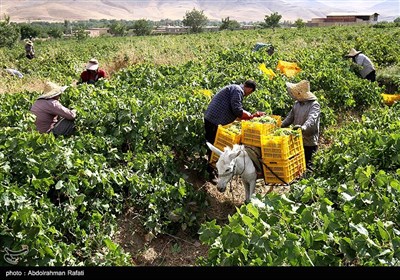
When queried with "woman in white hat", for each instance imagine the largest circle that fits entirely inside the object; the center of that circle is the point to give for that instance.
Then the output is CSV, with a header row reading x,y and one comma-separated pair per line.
x,y
304,115
51,115
368,69
29,51
92,73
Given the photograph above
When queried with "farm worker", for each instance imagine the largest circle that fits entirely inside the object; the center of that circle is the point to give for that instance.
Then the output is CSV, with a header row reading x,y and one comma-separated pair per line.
x,y
13,72
29,50
92,73
304,115
51,115
224,108
269,47
368,69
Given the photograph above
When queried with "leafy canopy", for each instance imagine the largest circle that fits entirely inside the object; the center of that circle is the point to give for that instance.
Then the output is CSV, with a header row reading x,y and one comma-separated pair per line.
x,y
9,33
142,27
272,21
228,24
196,20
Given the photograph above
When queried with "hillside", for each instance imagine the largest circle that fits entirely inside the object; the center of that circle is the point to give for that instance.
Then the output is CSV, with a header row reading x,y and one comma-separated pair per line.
x,y
241,10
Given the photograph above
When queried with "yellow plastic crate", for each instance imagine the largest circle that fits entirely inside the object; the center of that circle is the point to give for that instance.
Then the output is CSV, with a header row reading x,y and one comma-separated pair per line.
x,y
389,99
278,120
286,169
224,138
281,147
214,159
252,131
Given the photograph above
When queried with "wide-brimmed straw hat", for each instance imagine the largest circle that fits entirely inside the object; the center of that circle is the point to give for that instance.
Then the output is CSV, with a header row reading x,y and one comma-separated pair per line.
x,y
93,64
300,91
52,90
353,52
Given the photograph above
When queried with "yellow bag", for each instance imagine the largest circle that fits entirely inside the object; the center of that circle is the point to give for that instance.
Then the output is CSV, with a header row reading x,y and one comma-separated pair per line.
x,y
389,99
289,69
267,71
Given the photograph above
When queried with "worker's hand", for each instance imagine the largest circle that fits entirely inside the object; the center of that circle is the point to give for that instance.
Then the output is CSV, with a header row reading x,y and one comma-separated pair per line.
x,y
297,126
246,115
258,114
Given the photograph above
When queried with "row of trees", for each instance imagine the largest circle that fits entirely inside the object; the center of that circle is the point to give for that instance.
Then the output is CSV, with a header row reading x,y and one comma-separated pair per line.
x,y
195,20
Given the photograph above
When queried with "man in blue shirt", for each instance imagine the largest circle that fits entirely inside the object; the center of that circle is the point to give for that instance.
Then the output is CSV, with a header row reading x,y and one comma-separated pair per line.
x,y
224,108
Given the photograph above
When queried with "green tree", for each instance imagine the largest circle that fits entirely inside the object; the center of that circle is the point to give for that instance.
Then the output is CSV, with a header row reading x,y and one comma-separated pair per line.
x,y
143,27
299,23
81,34
229,24
118,29
272,21
196,20
67,27
397,19
9,33
55,32
28,31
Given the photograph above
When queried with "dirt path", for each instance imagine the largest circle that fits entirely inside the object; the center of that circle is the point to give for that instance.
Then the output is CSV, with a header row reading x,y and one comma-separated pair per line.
x,y
181,249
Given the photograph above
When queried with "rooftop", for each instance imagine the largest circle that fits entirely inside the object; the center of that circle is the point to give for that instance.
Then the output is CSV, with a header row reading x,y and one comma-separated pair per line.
x,y
337,14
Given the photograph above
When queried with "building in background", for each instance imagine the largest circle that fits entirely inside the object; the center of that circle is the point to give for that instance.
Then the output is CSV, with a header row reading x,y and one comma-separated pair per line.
x,y
344,19
96,32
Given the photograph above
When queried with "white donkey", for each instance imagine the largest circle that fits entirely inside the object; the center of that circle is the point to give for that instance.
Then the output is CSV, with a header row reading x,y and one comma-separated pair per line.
x,y
235,161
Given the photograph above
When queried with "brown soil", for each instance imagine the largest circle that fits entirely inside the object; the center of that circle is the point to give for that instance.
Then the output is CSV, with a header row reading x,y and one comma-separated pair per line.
x,y
182,249
162,250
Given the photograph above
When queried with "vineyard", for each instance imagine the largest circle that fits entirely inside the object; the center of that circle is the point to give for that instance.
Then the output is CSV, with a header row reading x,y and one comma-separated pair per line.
x,y
140,136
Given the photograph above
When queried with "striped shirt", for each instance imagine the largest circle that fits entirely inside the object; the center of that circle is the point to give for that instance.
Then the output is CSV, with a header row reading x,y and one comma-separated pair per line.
x,y
226,105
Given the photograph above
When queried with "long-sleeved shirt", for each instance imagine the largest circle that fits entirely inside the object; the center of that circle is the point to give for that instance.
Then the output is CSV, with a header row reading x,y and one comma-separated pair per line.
x,y
365,62
226,105
92,77
306,114
47,112
14,72
29,50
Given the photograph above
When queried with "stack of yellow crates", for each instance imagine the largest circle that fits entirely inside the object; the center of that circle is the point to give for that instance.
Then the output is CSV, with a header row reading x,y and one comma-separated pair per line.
x,y
253,130
283,156
282,149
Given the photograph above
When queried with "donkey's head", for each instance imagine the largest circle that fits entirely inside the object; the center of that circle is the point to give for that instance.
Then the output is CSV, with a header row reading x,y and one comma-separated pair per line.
x,y
235,161
226,164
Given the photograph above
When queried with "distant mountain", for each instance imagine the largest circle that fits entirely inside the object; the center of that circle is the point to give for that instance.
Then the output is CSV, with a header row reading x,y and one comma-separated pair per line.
x,y
388,10
240,10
